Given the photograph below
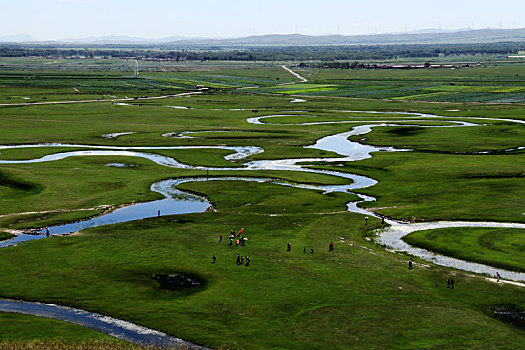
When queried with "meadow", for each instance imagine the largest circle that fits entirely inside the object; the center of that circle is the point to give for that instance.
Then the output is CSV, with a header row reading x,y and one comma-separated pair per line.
x,y
357,296
496,247
495,83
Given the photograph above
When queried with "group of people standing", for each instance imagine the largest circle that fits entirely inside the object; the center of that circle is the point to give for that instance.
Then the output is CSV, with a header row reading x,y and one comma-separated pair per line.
x,y
240,260
289,248
239,240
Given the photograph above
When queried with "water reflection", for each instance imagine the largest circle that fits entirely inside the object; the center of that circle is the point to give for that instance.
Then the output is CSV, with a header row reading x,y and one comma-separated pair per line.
x,y
391,238
178,202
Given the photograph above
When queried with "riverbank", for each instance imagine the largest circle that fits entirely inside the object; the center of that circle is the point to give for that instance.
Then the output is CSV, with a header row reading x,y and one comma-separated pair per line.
x,y
282,299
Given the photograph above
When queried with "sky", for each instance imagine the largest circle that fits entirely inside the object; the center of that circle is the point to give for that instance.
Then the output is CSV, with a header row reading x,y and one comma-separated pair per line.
x,y
61,19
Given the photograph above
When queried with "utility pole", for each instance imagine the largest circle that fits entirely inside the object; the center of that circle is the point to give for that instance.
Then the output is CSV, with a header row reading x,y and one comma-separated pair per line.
x,y
136,69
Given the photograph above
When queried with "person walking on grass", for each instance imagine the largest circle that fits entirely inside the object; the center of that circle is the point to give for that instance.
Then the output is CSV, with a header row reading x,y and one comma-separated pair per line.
x,y
220,238
247,260
410,262
450,283
331,248
289,247
214,258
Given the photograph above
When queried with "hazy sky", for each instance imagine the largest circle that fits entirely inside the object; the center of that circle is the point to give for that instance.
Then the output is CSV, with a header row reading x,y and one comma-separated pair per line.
x,y
59,19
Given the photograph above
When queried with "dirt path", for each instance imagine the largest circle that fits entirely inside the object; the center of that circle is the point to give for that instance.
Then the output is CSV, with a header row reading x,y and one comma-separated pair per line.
x,y
514,283
303,79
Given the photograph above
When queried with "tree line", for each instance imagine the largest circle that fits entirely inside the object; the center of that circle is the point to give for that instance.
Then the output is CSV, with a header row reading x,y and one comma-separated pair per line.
x,y
281,53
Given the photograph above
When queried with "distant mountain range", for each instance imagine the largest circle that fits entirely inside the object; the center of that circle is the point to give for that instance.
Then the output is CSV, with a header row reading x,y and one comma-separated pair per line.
x,y
428,36
115,39
16,38
110,39
448,37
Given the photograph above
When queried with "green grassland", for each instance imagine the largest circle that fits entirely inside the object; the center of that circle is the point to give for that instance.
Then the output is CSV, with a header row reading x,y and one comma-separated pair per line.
x,y
70,86
70,80
16,327
474,188
459,140
31,152
497,247
65,80
499,83
358,296
276,299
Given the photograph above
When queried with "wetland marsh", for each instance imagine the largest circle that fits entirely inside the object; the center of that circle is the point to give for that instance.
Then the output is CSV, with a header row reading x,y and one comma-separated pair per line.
x,y
306,173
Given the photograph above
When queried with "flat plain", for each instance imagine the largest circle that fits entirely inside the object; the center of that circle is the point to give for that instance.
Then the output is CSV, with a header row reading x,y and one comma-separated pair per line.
x,y
357,296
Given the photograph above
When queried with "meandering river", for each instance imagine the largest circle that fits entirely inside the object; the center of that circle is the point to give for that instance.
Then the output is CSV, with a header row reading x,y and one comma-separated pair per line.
x,y
179,202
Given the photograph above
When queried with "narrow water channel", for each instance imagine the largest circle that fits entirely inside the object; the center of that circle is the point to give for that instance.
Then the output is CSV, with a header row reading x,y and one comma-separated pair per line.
x,y
179,202
108,325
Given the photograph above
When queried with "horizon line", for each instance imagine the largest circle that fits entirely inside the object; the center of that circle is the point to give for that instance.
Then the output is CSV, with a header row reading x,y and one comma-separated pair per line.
x,y
182,37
